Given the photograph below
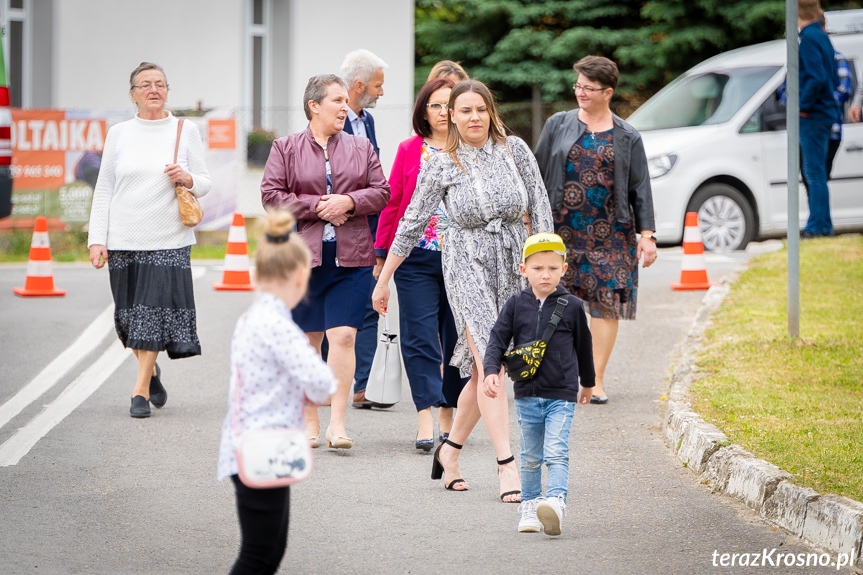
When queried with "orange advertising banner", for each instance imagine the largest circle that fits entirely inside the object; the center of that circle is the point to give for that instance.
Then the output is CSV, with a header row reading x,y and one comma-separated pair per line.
x,y
40,141
222,134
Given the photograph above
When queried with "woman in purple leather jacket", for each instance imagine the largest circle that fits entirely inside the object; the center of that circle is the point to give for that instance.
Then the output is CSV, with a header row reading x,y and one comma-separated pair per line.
x,y
330,181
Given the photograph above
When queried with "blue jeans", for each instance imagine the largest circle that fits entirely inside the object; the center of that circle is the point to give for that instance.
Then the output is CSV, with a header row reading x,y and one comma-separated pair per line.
x,y
426,325
814,141
545,425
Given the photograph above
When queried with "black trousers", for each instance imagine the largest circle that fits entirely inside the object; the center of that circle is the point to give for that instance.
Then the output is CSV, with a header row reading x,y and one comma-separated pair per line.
x,y
264,515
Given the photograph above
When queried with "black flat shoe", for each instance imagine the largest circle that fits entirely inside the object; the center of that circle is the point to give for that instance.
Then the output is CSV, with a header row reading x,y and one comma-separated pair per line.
x,y
599,399
158,393
140,407
425,444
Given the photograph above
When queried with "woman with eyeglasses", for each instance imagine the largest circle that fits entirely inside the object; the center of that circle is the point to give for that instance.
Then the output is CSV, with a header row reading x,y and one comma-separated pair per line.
x,y
426,323
135,228
488,183
595,171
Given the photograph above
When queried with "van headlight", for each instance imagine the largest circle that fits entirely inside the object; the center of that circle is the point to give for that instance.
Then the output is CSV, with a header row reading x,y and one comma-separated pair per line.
x,y
660,165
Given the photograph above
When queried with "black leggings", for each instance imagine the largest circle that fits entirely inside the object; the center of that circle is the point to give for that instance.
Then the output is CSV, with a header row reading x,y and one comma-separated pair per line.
x,y
264,515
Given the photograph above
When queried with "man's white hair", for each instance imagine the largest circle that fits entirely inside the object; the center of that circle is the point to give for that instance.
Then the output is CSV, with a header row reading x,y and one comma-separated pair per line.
x,y
360,65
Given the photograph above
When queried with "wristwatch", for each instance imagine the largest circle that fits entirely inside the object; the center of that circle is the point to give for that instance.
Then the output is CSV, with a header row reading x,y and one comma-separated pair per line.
x,y
651,237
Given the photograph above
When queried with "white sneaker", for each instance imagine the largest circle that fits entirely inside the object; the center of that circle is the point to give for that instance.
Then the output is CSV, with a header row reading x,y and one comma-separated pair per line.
x,y
550,512
528,522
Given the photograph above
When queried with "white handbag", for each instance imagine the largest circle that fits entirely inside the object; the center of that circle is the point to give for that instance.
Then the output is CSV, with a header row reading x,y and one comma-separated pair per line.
x,y
269,458
385,378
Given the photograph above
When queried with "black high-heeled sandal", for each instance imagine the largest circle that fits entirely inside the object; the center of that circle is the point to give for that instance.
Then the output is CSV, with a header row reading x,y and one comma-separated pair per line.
x,y
509,459
437,467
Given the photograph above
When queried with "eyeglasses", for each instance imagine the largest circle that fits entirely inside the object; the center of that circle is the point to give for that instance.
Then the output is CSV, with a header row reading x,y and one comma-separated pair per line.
x,y
587,89
160,86
437,107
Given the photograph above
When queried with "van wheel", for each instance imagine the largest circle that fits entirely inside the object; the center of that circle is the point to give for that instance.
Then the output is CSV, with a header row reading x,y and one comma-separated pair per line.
x,y
725,217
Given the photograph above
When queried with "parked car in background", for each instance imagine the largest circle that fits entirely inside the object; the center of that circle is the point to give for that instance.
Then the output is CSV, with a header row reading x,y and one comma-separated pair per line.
x,y
5,142
716,144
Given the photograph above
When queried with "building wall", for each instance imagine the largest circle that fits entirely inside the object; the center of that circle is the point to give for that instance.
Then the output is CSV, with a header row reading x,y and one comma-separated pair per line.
x,y
386,27
201,45
84,50
98,43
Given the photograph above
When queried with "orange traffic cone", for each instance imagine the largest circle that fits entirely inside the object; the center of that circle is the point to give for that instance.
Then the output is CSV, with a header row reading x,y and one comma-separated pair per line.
x,y
235,276
693,274
39,280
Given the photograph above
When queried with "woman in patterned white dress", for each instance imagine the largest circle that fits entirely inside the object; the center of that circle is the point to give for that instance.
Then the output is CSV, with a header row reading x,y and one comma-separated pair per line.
x,y
488,183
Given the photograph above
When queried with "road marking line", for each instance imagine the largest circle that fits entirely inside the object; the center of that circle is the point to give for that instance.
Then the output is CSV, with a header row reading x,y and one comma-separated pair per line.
x,y
91,337
74,395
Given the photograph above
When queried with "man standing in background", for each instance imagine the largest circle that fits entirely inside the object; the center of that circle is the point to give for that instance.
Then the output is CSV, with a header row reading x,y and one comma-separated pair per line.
x,y
363,72
842,93
818,112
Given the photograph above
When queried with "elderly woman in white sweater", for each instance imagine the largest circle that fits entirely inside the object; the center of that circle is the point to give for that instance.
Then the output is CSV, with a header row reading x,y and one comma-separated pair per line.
x,y
135,227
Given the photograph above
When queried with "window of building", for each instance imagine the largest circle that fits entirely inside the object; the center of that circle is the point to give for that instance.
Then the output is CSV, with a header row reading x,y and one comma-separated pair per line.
x,y
258,59
17,52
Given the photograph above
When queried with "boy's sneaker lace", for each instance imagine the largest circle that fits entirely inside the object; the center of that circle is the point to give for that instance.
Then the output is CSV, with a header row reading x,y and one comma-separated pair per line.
x,y
528,522
550,512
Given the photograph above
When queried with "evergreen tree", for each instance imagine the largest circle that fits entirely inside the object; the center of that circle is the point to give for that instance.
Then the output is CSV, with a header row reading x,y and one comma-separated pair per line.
x,y
517,45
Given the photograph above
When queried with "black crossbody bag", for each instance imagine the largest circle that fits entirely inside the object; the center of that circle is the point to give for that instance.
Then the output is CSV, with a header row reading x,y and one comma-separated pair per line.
x,y
523,362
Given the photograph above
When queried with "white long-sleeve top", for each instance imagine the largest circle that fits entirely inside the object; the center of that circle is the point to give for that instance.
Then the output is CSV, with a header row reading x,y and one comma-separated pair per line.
x,y
134,203
279,367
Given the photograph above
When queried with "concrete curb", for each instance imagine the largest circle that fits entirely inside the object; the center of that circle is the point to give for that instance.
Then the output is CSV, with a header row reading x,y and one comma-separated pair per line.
x,y
826,521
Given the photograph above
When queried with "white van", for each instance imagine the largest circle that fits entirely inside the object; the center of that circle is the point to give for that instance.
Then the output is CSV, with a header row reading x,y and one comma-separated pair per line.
x,y
716,144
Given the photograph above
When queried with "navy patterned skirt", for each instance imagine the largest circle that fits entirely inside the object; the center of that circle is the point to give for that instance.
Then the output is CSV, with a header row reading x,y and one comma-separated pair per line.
x,y
154,300
603,269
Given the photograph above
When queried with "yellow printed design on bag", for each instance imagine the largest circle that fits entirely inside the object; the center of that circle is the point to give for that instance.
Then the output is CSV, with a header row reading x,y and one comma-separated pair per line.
x,y
531,355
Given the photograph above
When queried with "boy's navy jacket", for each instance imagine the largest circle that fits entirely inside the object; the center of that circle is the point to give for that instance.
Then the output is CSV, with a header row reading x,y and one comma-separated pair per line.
x,y
569,353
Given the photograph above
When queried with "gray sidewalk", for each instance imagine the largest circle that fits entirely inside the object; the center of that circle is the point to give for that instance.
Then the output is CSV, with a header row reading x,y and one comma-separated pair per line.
x,y
102,493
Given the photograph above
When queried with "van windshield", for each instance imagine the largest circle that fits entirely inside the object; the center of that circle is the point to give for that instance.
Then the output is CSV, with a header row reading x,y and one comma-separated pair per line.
x,y
701,99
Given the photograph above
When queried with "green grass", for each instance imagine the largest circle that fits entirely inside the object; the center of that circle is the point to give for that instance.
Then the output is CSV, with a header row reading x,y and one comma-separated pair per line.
x,y
72,246
795,403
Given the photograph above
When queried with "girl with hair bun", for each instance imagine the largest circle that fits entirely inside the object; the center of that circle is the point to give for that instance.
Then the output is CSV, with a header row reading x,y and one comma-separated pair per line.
x,y
280,371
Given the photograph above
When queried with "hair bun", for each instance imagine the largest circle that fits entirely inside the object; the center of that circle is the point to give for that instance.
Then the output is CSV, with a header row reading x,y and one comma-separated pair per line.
x,y
278,224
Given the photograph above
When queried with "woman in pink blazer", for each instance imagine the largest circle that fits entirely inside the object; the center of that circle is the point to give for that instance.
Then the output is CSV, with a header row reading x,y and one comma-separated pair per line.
x,y
428,332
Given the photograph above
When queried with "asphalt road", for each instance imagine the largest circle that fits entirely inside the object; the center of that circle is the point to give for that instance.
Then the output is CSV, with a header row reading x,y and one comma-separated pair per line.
x,y
102,493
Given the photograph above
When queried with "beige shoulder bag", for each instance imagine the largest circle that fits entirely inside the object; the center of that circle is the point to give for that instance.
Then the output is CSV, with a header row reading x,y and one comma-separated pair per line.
x,y
190,210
